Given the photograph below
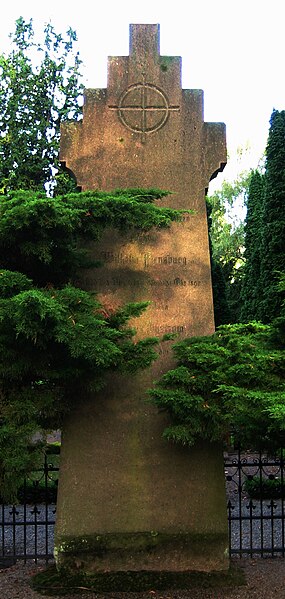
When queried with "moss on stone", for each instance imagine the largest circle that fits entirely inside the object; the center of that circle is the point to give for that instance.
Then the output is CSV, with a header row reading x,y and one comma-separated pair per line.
x,y
142,551
97,544
51,582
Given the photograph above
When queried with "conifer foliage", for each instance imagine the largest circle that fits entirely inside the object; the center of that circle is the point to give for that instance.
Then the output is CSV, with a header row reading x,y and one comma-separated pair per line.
x,y
273,219
251,285
264,231
57,341
230,383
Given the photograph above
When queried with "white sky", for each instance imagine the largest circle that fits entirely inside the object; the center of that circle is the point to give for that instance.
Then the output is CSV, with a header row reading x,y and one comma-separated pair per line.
x,y
233,50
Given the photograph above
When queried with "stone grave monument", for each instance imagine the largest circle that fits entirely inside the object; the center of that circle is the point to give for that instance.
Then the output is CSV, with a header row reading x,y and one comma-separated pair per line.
x,y
128,500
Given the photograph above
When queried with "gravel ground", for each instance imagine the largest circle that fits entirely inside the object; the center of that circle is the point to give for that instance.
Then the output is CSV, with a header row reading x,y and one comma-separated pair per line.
x,y
265,579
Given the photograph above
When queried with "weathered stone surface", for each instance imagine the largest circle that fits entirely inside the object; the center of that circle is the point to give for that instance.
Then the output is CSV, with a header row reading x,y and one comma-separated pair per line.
x,y
117,475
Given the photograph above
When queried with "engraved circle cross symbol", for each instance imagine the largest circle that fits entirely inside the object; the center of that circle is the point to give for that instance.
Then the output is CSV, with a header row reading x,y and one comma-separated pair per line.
x,y
143,108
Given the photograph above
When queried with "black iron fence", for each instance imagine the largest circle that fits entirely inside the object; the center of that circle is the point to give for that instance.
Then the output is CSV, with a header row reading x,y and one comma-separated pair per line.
x,y
255,489
27,529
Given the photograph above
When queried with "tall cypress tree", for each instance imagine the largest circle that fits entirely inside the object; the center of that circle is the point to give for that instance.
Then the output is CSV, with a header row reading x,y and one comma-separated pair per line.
x,y
251,281
273,219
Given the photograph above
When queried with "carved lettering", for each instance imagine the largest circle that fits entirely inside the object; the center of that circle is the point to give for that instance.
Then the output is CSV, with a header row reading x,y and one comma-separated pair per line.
x,y
147,259
183,218
119,258
137,282
159,306
177,282
164,328
125,283
150,260
164,351
117,282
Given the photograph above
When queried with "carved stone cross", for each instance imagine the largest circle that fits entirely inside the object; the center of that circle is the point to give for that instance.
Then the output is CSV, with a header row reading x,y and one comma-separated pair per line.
x,y
142,120
119,480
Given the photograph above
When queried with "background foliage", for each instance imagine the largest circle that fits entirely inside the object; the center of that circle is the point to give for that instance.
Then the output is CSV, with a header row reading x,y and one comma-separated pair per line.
x,y
40,86
226,227
251,286
273,219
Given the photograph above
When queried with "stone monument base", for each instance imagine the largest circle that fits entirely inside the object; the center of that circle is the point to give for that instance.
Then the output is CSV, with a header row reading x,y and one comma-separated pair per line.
x,y
144,551
128,500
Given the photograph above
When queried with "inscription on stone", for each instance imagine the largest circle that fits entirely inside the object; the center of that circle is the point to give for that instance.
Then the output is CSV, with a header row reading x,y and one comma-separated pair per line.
x,y
146,260
133,282
183,218
162,329
150,260
159,306
177,282
119,258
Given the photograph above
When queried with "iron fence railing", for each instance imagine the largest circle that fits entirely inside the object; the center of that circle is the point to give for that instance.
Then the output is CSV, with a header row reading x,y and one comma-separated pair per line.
x,y
255,487
27,529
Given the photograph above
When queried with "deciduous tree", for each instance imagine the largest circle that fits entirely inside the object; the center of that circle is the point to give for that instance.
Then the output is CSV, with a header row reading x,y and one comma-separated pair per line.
x,y
40,86
227,239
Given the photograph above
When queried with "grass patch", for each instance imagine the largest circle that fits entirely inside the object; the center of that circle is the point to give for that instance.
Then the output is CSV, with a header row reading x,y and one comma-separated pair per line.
x,y
51,582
